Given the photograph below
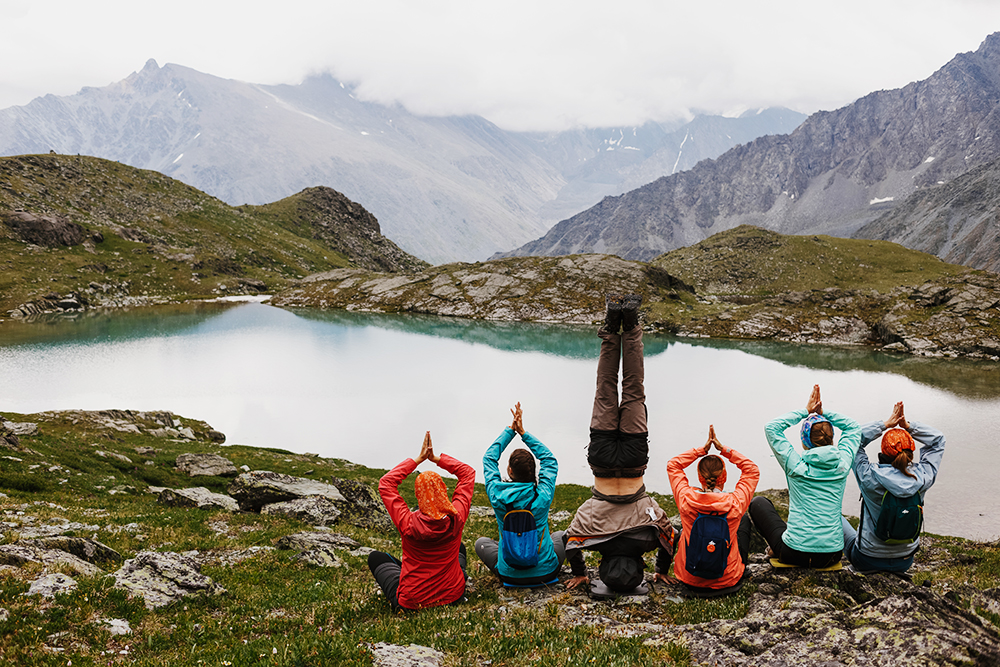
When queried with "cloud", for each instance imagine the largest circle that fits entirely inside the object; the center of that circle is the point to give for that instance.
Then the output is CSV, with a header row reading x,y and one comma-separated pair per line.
x,y
523,65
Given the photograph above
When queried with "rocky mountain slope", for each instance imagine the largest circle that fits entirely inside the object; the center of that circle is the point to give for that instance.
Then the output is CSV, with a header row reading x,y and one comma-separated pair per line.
x,y
745,283
80,231
957,221
836,172
445,189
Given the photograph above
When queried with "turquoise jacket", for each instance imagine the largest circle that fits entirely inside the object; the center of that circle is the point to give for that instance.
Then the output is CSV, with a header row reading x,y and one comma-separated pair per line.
x,y
875,479
506,496
816,480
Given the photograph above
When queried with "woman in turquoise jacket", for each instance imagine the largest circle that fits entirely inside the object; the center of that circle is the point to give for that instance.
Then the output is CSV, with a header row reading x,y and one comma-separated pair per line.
x,y
813,536
899,475
522,493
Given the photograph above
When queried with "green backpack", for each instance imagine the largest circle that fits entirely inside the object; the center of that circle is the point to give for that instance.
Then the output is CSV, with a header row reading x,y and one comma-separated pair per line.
x,y
901,519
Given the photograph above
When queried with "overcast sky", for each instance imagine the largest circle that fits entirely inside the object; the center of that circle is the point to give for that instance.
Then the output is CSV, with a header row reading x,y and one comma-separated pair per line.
x,y
538,64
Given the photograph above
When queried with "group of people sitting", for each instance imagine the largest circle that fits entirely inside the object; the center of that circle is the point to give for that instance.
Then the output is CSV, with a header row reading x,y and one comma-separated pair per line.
x,y
710,552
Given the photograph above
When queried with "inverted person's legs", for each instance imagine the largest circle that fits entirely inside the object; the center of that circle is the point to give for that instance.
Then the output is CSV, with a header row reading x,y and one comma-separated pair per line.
x,y
605,416
633,405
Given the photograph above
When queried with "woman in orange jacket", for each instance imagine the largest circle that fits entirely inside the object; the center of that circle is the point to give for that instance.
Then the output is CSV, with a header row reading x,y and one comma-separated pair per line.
x,y
715,538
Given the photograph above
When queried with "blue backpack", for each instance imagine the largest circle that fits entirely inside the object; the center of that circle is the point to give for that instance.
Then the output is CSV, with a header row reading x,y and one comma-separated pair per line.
x,y
708,546
519,538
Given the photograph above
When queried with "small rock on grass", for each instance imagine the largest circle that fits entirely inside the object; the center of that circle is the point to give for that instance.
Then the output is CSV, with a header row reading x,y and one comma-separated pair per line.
x,y
393,655
50,584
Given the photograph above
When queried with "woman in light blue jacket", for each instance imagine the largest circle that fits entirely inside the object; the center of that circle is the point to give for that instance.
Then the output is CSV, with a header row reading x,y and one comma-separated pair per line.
x,y
813,536
899,475
521,492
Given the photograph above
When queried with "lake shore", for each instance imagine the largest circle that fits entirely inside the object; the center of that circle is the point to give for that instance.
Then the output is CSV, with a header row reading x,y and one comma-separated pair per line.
x,y
83,478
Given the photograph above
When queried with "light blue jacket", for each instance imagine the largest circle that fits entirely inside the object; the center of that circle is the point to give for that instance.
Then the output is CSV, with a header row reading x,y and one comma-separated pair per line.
x,y
505,496
816,480
875,480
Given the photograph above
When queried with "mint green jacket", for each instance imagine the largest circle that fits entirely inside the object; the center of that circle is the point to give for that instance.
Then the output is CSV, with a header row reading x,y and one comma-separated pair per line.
x,y
816,480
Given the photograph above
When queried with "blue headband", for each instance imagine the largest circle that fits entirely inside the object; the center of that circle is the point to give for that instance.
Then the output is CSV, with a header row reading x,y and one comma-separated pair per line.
x,y
807,425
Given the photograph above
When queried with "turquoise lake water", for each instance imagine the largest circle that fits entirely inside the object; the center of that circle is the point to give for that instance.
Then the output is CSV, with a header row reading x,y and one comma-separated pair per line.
x,y
365,388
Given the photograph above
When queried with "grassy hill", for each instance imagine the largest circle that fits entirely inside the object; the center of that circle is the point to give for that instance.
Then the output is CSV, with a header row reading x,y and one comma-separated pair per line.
x,y
124,235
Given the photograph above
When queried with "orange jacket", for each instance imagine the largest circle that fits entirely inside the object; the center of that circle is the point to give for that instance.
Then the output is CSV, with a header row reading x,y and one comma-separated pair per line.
x,y
691,501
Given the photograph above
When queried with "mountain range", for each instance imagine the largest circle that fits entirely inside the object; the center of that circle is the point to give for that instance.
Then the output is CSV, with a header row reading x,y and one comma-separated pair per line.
x,y
837,173
443,188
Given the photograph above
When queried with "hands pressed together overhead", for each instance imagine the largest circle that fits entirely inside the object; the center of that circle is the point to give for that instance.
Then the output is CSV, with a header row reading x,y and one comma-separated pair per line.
x,y
815,403
427,451
517,426
712,440
897,418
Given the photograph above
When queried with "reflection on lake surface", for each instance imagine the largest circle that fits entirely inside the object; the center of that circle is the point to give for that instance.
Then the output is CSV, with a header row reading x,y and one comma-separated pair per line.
x,y
365,388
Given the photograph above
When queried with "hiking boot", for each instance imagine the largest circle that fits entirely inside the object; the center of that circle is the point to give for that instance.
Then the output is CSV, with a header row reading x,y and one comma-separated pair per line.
x,y
630,311
612,314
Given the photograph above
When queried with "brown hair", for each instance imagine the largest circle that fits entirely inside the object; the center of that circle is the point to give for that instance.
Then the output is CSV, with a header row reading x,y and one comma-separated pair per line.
x,y
900,462
710,468
522,466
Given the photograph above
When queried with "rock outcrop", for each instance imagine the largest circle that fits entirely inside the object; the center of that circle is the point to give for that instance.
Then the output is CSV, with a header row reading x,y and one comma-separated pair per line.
x,y
536,289
50,231
314,510
253,490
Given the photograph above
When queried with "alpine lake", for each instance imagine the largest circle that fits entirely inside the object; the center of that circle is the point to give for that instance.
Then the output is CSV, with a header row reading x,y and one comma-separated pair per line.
x,y
365,388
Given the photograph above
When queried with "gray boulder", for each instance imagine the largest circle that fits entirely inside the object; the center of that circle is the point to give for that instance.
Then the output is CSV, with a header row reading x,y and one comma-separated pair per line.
x,y
8,439
22,553
56,526
314,510
363,506
85,548
163,578
252,490
50,585
22,428
206,464
199,497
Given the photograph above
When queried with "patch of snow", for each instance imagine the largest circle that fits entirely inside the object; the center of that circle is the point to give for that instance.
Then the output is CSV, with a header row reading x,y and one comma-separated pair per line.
x,y
177,158
610,148
680,150
930,159
341,85
631,148
363,133
880,200
196,136
760,111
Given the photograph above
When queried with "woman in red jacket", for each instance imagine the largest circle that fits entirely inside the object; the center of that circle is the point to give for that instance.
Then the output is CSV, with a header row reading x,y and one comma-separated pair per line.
x,y
713,521
432,572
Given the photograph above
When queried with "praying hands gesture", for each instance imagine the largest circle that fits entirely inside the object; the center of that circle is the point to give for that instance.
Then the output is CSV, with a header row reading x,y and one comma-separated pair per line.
x,y
897,418
427,451
815,403
712,440
517,426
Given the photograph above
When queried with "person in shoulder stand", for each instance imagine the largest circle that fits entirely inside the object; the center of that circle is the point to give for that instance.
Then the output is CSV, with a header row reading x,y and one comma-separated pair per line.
x,y
619,520
432,571
706,562
510,565
895,474
813,536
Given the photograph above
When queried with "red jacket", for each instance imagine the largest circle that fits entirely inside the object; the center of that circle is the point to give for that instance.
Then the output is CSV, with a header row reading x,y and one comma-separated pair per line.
x,y
691,501
430,576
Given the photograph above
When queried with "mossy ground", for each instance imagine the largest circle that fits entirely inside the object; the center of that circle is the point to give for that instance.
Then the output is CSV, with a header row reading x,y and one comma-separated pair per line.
x,y
279,611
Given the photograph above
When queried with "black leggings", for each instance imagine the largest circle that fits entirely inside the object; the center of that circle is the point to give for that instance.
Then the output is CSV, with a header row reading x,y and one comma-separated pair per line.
x,y
386,568
771,527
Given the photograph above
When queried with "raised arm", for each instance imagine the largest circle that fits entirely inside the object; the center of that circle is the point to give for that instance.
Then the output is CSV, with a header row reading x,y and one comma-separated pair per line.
x,y
548,466
491,461
783,451
932,443
388,489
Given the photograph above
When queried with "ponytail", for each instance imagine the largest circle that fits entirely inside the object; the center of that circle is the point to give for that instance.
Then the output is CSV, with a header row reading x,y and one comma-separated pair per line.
x,y
902,463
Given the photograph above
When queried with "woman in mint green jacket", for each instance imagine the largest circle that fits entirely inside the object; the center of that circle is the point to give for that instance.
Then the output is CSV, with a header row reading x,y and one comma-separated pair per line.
x,y
813,536
522,492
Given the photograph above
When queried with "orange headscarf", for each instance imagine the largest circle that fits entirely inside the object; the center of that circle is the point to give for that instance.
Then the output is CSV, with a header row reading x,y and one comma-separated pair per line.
x,y
432,495
896,440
